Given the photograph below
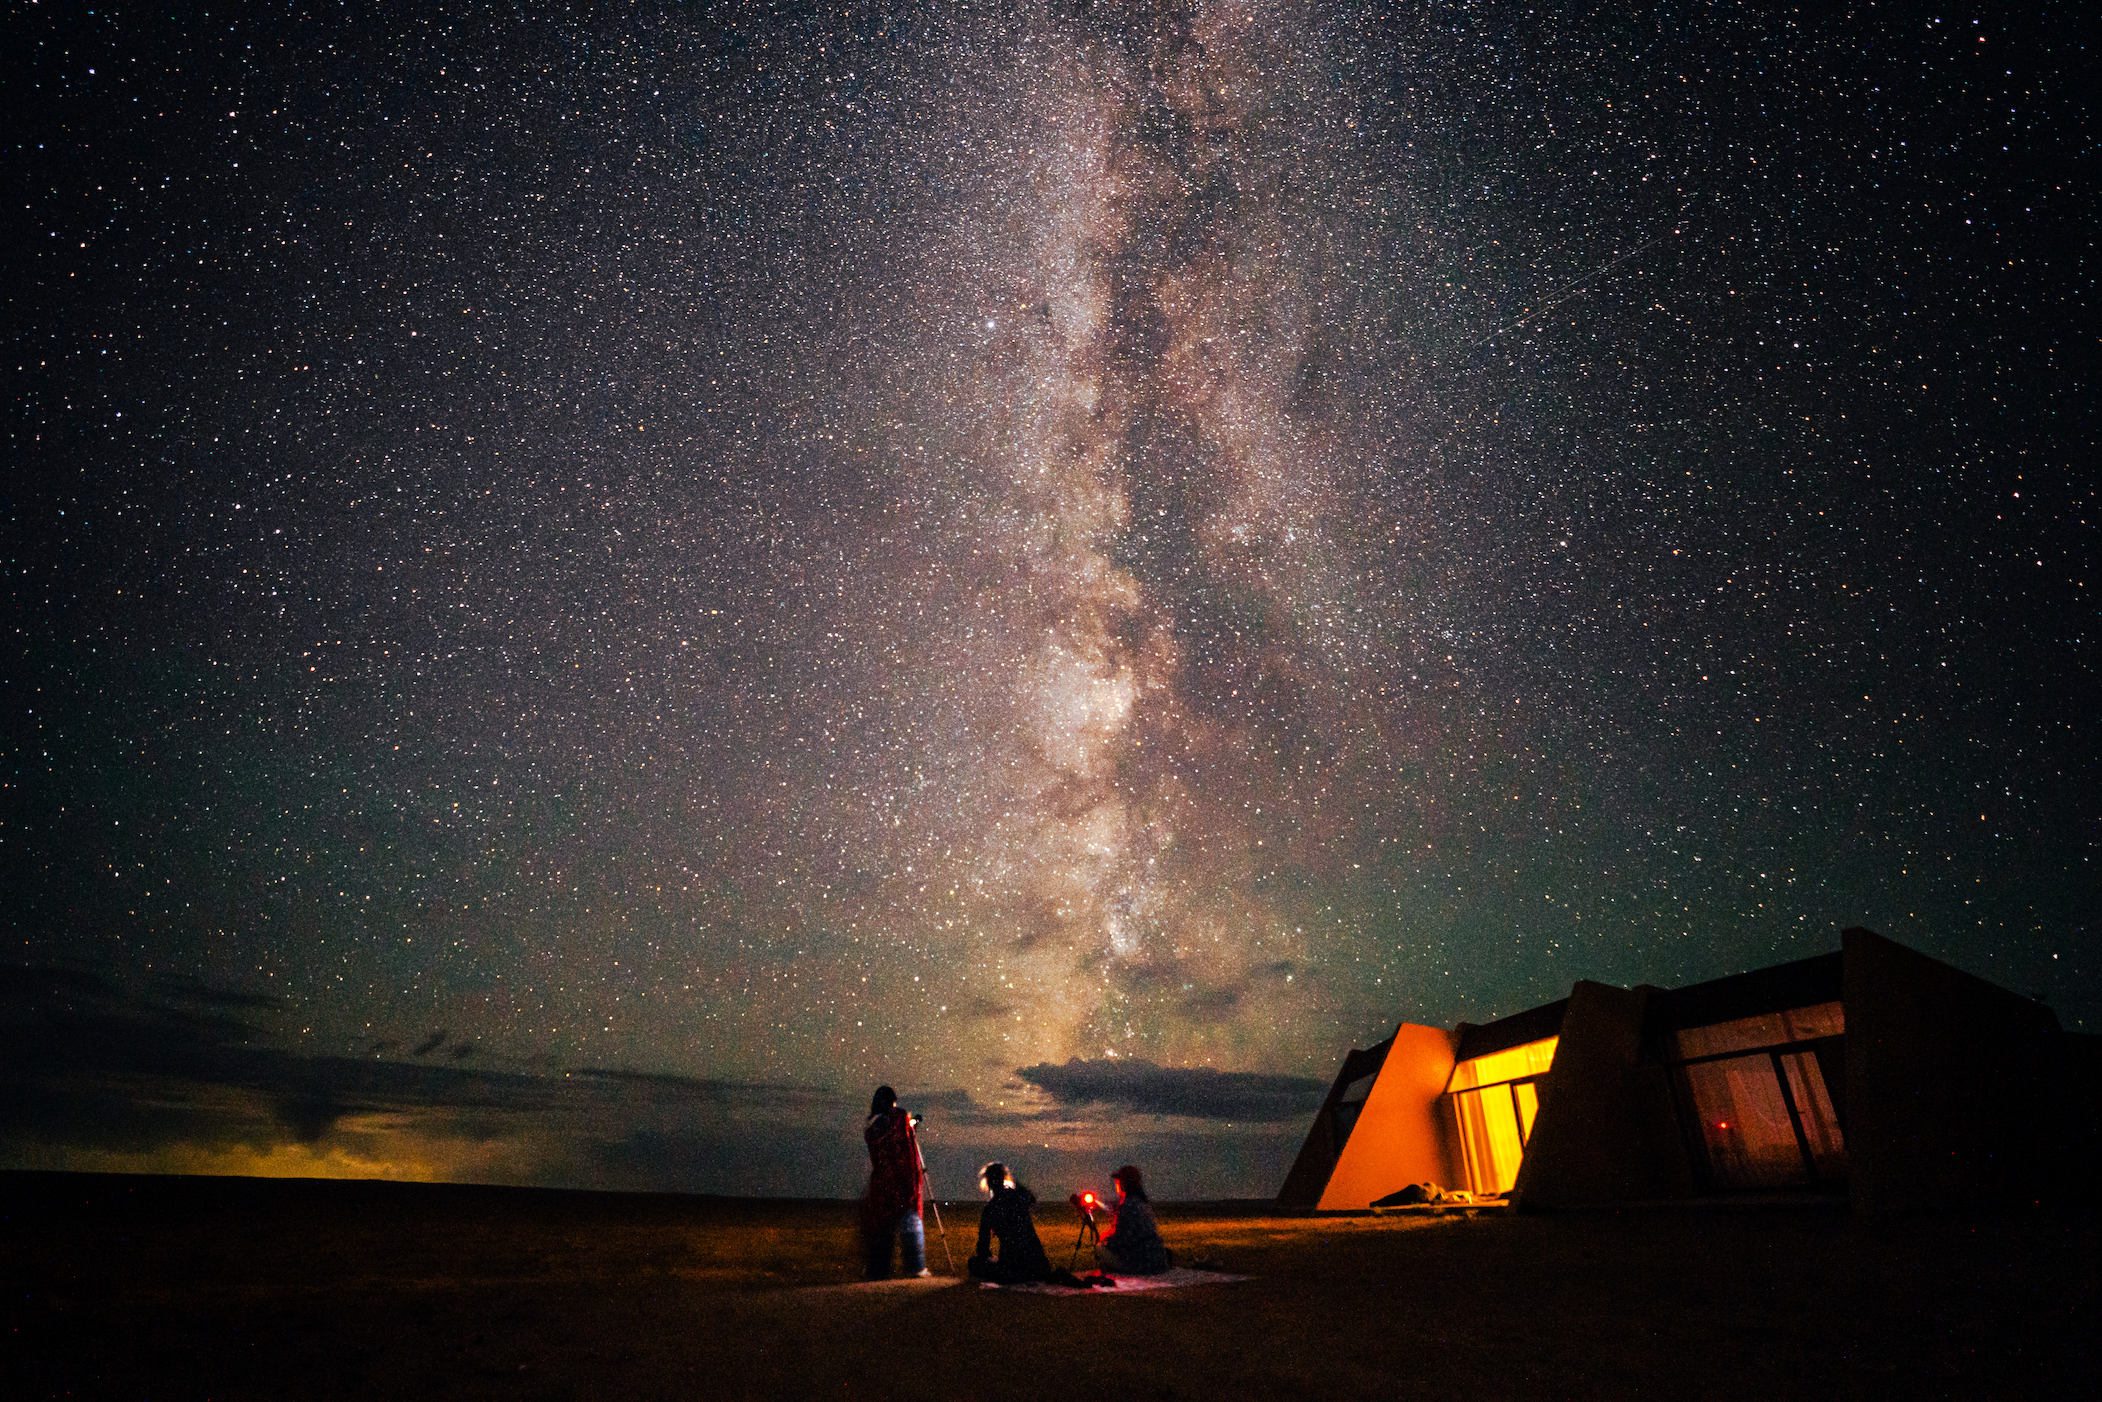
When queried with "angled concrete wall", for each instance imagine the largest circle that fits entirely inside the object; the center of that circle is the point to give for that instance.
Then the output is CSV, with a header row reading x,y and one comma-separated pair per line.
x,y
1607,1129
1400,1138
1953,1084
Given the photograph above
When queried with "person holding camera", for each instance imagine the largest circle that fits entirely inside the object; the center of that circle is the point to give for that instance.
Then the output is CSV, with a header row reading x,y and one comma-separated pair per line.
x,y
897,1185
1133,1245
1005,1218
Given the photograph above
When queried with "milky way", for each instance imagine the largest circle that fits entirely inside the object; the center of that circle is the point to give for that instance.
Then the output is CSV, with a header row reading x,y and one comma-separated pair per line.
x,y
756,547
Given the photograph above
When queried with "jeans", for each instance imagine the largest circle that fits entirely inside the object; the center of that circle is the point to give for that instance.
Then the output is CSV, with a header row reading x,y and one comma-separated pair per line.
x,y
908,1228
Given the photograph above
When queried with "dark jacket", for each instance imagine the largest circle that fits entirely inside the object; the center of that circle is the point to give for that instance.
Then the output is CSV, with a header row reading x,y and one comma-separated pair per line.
x,y
1134,1242
1007,1217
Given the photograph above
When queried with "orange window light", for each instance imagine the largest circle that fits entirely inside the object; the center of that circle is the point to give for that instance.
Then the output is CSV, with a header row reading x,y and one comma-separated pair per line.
x,y
1532,1059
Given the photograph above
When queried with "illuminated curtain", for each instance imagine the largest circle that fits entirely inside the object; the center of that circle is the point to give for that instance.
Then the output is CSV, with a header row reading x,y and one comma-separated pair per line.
x,y
1751,1143
1746,1126
1495,1115
1490,1139
1806,1081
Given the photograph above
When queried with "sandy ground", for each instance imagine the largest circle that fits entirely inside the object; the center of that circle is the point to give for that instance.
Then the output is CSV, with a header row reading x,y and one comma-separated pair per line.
x,y
242,1288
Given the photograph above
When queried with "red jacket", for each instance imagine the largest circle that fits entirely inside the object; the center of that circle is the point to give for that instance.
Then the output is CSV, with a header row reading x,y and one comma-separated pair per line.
x,y
896,1182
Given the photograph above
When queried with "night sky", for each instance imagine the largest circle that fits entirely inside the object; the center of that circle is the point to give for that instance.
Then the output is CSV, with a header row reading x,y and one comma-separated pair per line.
x,y
588,586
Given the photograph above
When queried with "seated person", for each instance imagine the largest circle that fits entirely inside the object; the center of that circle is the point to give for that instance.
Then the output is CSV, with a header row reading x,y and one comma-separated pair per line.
x,y
1133,1246
1006,1217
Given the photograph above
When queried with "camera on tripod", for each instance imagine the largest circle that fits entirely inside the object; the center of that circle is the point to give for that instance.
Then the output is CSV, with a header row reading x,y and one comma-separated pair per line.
x,y
1085,1202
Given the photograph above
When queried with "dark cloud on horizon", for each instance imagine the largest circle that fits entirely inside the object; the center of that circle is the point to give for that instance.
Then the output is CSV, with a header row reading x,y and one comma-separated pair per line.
x,y
1195,1092
98,1075
171,1014
95,1068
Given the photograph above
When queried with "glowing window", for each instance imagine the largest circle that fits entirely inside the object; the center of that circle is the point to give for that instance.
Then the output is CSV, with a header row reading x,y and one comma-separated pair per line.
x,y
1492,1142
1517,1063
1757,1089
1821,1134
1766,1030
1745,1123
1495,1099
1527,1094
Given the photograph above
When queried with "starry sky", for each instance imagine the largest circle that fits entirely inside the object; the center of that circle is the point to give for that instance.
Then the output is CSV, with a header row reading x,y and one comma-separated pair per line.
x,y
588,585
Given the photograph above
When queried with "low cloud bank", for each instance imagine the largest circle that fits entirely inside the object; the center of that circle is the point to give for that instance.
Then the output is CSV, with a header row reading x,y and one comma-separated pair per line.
x,y
95,1076
1194,1092
179,1078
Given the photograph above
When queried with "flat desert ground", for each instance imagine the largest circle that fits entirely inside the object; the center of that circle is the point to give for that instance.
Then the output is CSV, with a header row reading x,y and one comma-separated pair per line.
x,y
144,1287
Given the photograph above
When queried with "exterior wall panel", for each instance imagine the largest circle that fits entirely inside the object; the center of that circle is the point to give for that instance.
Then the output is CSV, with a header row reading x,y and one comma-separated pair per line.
x,y
1949,1098
1608,1130
1400,1137
1911,1082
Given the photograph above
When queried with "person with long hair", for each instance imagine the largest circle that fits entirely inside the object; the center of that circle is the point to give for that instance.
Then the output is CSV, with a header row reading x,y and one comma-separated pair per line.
x,y
897,1185
1133,1245
1006,1219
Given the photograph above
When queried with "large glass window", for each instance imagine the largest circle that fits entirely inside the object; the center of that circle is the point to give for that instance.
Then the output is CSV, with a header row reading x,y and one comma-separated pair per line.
x,y
1765,1030
1819,1120
1756,1089
1495,1099
1516,1063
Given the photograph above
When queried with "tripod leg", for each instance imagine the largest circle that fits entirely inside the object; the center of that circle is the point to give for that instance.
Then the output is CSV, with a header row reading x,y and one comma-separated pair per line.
x,y
944,1231
938,1227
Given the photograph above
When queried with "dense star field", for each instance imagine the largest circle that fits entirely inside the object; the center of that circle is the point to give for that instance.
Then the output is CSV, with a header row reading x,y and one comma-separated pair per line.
x,y
587,587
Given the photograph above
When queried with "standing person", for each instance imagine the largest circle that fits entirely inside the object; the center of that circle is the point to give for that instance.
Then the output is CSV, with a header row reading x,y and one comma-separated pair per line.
x,y
897,1184
1133,1246
1006,1217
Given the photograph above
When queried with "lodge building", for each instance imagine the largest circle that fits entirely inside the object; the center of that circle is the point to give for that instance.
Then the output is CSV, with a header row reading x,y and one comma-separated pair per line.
x,y
1874,1074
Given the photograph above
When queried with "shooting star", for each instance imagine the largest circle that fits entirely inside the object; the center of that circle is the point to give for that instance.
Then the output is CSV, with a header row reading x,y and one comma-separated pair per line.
x,y
1568,290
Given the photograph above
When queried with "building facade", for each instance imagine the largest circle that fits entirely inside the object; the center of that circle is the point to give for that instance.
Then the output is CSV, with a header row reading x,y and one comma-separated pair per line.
x,y
1875,1073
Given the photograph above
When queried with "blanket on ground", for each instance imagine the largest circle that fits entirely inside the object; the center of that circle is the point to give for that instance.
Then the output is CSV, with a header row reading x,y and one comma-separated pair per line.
x,y
1166,1280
